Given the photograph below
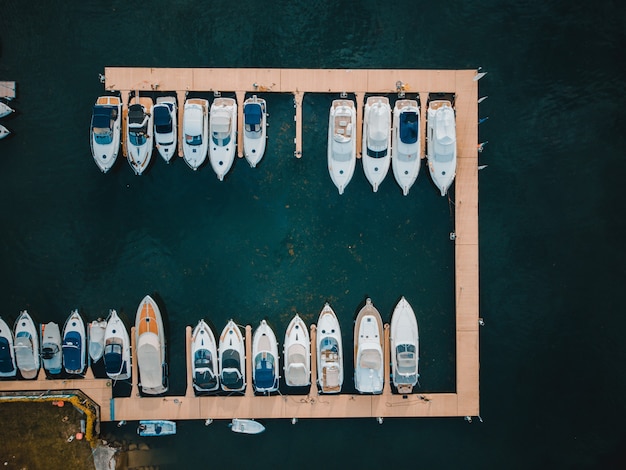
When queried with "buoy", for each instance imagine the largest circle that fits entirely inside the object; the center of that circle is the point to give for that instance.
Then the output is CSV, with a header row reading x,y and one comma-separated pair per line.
x,y
60,403
79,436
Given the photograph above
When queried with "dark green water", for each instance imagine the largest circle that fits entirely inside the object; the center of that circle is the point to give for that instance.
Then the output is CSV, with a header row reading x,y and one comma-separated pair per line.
x,y
278,239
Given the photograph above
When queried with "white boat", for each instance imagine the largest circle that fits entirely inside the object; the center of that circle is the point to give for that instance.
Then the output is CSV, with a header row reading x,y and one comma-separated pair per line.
x,y
232,363
254,130
5,109
165,128
246,426
7,354
156,427
265,372
223,131
116,348
51,348
441,138
329,352
341,149
369,370
405,147
26,345
196,132
297,350
404,339
74,344
96,330
150,341
105,131
204,358
376,148
139,134
4,132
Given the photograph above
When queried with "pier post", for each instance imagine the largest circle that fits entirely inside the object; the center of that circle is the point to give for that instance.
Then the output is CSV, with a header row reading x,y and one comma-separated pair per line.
x,y
189,393
423,109
241,97
360,99
124,95
133,359
180,95
297,101
387,360
313,392
249,362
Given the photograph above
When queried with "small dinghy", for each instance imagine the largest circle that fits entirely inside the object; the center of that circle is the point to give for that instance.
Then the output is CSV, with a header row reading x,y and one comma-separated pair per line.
x,y
97,329
74,357
5,109
4,132
157,427
246,426
7,357
26,346
51,354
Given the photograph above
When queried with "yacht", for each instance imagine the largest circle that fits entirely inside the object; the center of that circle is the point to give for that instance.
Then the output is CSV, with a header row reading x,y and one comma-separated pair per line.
x,y
441,138
329,352
105,130
404,341
96,330
297,353
223,130
204,358
139,134
265,353
5,109
255,129
165,127
150,344
26,346
368,350
51,348
376,146
74,344
232,363
341,143
196,132
405,149
7,355
116,348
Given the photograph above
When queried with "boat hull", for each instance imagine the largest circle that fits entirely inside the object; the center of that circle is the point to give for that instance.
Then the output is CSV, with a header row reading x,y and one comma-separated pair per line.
x,y
441,148
232,359
404,341
297,353
406,144
74,344
140,134
97,329
255,129
329,352
265,371
26,346
195,132
376,146
204,358
150,341
341,151
8,367
116,348
165,127
105,131
51,348
368,350
223,135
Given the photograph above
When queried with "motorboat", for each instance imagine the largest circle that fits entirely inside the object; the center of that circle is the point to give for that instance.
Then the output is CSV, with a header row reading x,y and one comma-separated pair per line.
x,y
150,343
5,109
51,348
441,139
105,131
96,330
254,129
341,143
204,358
329,352
246,426
196,132
7,354
74,344
297,350
405,148
139,134
26,346
265,372
223,131
404,342
368,350
232,361
4,132
156,427
165,127
116,348
376,146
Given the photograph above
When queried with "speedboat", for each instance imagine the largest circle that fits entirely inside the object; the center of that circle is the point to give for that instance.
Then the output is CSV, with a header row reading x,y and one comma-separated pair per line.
x,y
341,143
74,344
105,130
7,355
204,358
51,348
246,426
196,132
5,109
297,353
376,139
165,127
405,149
254,130
150,341
26,346
441,138
4,132
223,130
404,339
116,348
368,350
139,136
156,427
232,359
265,353
97,330
329,352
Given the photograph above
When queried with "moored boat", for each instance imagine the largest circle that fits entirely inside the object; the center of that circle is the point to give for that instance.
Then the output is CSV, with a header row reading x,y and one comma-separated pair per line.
x,y
196,132
74,344
254,130
116,348
96,330
404,342
150,341
156,427
4,132
204,358
441,139
376,148
139,133
26,346
297,350
51,348
223,131
105,131
341,151
7,355
165,128
232,359
5,109
265,373
246,426
405,148
368,350
329,352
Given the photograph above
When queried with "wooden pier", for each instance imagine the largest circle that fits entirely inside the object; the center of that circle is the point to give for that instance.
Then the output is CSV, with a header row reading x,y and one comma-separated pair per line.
x,y
7,90
465,400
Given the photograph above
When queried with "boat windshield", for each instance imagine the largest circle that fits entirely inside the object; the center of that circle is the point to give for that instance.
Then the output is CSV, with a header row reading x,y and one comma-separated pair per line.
x,y
220,139
102,124
329,344
408,127
193,139
203,358
6,359
220,130
138,136
49,351
252,114
113,358
162,120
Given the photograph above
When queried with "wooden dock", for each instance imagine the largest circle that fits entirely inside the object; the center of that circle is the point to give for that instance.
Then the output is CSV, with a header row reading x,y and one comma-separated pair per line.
x,y
465,400
7,90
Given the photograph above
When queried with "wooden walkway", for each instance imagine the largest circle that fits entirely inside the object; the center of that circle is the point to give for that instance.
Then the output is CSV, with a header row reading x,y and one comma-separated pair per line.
x,y
7,90
465,401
